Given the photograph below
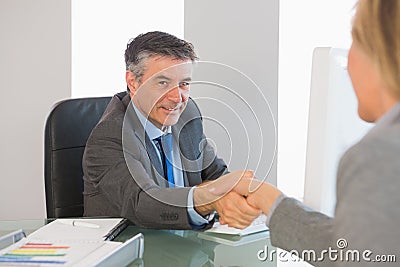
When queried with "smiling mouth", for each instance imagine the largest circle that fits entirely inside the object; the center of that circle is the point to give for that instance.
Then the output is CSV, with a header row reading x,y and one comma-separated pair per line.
x,y
171,109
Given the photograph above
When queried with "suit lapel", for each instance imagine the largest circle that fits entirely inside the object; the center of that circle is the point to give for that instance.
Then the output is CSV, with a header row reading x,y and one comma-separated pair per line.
x,y
137,127
190,162
155,160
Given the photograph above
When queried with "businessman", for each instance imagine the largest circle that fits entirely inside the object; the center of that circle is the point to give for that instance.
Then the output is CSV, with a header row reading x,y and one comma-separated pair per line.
x,y
148,159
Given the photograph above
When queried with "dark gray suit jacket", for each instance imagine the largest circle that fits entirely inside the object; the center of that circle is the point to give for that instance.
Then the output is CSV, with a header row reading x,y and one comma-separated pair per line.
x,y
122,170
367,211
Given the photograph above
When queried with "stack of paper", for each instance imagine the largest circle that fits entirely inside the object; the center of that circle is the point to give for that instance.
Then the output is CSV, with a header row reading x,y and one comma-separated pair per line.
x,y
258,225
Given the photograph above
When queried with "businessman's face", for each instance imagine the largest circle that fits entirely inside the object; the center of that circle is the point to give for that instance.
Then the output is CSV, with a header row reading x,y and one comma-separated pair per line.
x,y
163,92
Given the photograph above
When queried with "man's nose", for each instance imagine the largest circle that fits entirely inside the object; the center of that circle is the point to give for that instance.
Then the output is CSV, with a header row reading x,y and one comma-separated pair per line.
x,y
175,94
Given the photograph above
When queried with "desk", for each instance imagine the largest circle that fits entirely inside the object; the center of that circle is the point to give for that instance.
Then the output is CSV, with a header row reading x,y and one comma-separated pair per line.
x,y
178,248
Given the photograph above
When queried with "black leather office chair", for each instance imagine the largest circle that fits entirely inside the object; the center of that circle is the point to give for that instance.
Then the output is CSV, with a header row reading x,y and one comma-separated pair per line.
x,y
68,127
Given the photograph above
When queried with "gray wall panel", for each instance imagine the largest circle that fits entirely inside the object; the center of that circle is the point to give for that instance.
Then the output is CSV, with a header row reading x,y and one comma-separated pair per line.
x,y
35,72
244,35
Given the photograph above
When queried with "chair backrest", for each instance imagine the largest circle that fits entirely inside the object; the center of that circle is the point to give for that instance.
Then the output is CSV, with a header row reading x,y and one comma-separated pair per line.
x,y
68,127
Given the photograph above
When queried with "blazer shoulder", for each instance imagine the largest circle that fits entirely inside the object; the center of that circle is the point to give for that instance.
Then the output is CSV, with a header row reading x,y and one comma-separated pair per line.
x,y
111,122
373,156
384,142
115,109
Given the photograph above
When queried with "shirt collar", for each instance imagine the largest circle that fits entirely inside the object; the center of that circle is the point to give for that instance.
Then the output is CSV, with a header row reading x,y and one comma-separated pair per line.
x,y
151,130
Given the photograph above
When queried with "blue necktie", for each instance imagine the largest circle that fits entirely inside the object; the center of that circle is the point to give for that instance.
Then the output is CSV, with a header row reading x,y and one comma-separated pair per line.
x,y
164,146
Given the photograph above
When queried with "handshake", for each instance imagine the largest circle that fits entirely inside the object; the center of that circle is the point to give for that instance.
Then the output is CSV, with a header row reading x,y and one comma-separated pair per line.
x,y
238,197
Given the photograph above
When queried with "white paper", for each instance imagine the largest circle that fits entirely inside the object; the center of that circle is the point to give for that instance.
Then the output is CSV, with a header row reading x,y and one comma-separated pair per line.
x,y
258,225
57,230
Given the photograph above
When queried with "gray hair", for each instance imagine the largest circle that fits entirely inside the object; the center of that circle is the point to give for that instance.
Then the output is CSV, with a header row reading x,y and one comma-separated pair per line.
x,y
150,44
139,68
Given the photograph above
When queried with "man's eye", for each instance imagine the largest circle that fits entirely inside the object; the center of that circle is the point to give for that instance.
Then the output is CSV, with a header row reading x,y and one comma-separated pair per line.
x,y
163,83
184,85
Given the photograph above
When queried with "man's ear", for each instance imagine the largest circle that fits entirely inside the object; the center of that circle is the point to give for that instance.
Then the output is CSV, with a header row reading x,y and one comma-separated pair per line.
x,y
131,82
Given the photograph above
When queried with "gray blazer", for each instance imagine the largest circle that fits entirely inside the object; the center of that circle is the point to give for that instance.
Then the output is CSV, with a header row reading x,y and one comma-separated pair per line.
x,y
367,211
122,170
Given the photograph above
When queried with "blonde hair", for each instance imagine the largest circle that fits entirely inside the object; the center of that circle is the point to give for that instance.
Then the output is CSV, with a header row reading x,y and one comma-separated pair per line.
x,y
376,29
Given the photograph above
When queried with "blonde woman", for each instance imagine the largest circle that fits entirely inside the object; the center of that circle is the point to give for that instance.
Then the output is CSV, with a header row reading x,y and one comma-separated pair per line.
x,y
366,228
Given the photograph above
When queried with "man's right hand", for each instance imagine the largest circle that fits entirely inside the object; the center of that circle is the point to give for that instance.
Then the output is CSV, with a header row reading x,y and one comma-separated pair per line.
x,y
232,207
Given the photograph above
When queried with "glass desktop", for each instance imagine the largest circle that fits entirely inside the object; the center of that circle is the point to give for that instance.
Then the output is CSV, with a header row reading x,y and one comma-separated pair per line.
x,y
182,247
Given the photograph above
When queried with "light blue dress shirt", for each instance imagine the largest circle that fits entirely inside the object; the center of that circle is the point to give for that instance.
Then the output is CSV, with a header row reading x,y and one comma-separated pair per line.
x,y
195,219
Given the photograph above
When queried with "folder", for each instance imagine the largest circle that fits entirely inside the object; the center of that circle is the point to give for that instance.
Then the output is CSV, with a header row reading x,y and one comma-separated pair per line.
x,y
75,242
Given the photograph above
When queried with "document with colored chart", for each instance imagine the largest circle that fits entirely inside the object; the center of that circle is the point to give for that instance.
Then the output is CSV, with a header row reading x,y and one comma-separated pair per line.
x,y
66,242
28,252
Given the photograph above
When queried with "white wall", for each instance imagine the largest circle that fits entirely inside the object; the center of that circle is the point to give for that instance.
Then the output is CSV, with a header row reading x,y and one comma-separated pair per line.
x,y
100,35
303,25
35,72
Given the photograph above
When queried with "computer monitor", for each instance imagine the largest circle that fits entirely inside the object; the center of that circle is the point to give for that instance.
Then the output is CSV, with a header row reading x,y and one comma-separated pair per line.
x,y
333,126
